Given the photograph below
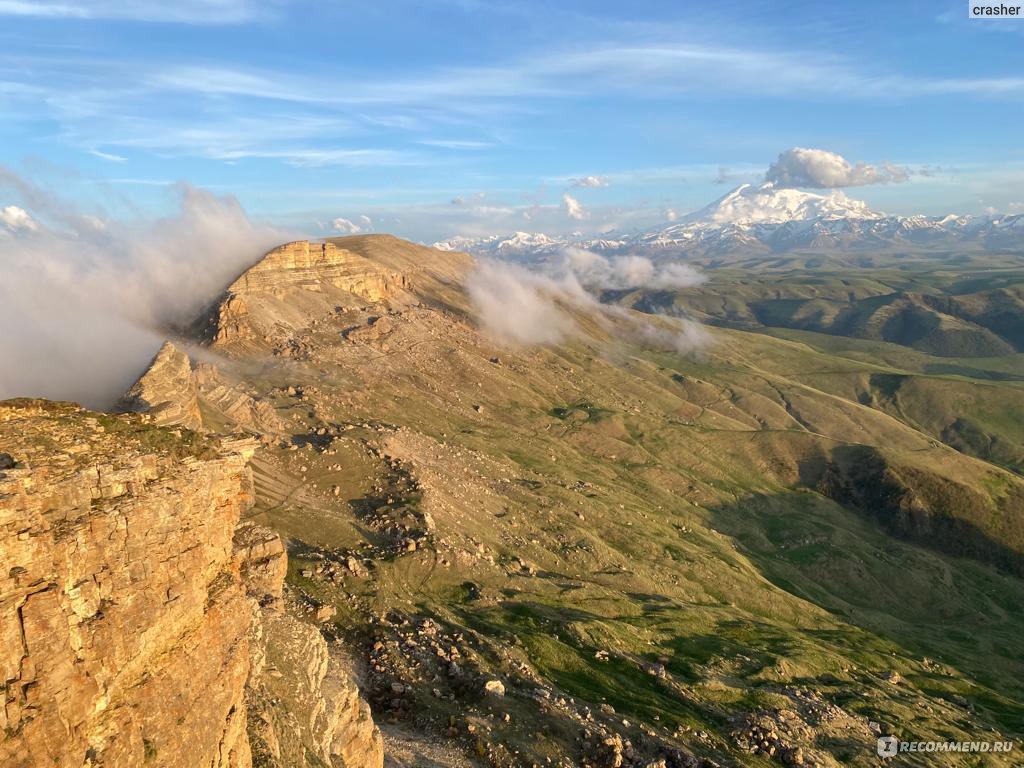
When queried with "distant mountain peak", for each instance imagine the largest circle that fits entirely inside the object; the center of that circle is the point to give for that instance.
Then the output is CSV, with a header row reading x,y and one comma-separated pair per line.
x,y
769,218
769,204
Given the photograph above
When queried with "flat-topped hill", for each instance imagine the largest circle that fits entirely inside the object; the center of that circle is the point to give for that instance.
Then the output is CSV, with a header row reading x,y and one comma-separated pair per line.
x,y
299,282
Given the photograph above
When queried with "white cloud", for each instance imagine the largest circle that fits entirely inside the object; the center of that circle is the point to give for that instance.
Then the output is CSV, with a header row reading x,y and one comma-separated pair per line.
x,y
179,11
366,221
514,304
820,169
670,214
93,299
108,156
591,181
16,219
346,226
521,306
662,68
573,208
299,117
621,272
456,143
315,157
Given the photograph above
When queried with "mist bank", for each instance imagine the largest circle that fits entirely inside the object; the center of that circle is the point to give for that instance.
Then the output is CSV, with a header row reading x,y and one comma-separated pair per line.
x,y
85,301
535,306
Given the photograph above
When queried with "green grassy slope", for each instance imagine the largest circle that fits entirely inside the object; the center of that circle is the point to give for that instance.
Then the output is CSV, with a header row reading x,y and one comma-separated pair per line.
x,y
670,550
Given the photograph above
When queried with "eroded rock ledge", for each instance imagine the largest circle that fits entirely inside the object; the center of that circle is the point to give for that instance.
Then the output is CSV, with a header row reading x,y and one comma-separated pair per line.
x,y
124,621
133,605
263,297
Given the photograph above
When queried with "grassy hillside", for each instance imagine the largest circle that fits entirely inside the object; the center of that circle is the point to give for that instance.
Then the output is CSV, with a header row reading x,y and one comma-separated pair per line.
x,y
932,307
769,552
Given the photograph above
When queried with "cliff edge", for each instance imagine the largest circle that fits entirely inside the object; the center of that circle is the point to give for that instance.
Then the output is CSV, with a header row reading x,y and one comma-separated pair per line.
x,y
136,613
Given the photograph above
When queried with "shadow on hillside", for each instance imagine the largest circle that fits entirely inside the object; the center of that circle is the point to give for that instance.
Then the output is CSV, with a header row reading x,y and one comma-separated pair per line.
x,y
923,507
845,560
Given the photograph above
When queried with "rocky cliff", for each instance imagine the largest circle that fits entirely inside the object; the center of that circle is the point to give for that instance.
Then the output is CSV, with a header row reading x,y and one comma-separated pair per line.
x,y
124,620
133,605
174,392
307,265
167,391
278,290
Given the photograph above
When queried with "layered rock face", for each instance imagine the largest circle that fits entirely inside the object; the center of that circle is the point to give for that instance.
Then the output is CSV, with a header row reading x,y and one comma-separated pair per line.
x,y
305,701
306,265
167,391
123,618
173,392
137,615
265,293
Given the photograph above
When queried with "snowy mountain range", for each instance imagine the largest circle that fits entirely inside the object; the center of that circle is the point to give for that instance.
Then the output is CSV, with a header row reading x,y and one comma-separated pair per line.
x,y
766,218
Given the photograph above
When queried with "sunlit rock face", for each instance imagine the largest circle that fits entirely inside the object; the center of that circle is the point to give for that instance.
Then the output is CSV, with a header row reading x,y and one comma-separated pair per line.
x,y
124,618
272,291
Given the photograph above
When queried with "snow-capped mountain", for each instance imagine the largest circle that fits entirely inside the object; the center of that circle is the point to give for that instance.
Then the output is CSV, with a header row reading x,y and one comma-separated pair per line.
x,y
767,218
498,244
527,244
768,204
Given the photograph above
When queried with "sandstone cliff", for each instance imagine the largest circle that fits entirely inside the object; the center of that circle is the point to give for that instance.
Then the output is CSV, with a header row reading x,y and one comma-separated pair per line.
x,y
305,701
299,284
137,614
167,390
201,397
280,288
124,620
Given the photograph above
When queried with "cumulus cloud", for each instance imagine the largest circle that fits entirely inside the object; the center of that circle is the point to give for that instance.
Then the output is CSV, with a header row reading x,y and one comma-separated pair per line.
x,y
523,306
15,219
346,226
820,169
591,181
670,214
87,301
573,208
365,221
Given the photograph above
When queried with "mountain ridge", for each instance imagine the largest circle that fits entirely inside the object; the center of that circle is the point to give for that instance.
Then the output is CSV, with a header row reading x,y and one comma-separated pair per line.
x,y
765,219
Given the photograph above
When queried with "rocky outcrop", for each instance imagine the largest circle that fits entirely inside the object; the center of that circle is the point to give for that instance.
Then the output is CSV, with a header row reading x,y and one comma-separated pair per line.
x,y
140,623
123,619
174,392
167,390
305,702
263,563
249,307
231,405
308,265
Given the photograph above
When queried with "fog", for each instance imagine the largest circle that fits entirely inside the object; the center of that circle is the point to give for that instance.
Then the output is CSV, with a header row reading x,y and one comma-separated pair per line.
x,y
85,301
518,305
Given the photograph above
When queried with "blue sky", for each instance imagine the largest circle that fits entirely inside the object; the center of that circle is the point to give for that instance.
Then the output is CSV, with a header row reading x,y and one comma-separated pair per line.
x,y
430,119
